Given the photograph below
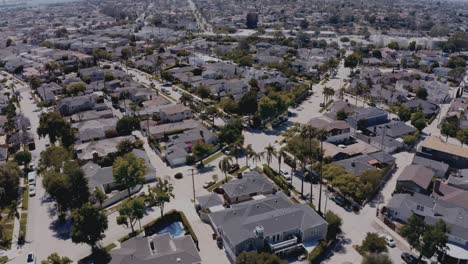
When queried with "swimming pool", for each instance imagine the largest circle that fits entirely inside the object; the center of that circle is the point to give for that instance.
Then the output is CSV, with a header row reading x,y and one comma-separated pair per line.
x,y
175,229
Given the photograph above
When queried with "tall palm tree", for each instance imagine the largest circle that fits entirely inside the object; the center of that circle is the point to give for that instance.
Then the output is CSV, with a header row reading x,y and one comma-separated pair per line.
x,y
302,159
293,169
308,132
270,152
258,156
321,136
235,148
280,155
249,152
225,165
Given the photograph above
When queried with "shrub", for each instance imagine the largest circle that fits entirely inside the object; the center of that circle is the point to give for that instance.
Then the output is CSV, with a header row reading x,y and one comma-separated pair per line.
x,y
178,175
317,252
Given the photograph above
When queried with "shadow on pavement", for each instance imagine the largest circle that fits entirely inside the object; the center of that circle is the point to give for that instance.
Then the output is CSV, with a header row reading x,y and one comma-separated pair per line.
x,y
61,230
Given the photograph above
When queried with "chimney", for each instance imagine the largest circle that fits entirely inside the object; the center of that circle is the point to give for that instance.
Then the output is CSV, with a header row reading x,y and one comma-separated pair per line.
x,y
201,134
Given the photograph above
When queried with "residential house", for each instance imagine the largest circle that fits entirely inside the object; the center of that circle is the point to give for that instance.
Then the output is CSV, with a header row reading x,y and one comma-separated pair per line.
x,y
159,131
338,131
252,184
94,129
440,168
92,74
94,150
174,113
428,108
454,155
273,223
49,91
371,117
430,209
157,249
72,105
415,178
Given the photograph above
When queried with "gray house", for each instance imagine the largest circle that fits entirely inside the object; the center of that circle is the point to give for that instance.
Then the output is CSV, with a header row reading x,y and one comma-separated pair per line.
x,y
158,249
415,178
273,224
252,183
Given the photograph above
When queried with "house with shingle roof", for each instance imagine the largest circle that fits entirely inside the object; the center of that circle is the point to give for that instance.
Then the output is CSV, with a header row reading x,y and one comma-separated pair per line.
x,y
252,183
415,178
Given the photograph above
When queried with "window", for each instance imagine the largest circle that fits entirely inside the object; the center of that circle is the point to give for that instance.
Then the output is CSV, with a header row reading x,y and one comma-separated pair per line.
x,y
420,208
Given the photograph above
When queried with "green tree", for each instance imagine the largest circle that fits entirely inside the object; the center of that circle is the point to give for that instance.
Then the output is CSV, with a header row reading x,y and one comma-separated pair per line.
x,y
404,113
427,239
420,124
129,171
341,115
462,136
9,182
251,20
23,157
253,257
376,259
54,258
8,43
130,212
126,125
201,149
125,146
78,190
224,165
246,60
161,193
56,185
412,46
409,140
270,151
248,104
75,88
421,93
231,132
54,157
373,243
334,225
89,225
267,108
53,125
108,77
393,45
203,92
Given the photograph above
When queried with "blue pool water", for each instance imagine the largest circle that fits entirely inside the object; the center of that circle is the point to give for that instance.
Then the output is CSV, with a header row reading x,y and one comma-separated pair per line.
x,y
175,229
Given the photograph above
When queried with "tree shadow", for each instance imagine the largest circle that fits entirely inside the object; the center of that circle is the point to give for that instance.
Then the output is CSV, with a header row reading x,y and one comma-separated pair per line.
x,y
61,228
206,168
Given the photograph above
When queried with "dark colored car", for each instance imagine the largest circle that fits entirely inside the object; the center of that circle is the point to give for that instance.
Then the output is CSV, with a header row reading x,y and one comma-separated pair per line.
x,y
339,200
234,168
410,259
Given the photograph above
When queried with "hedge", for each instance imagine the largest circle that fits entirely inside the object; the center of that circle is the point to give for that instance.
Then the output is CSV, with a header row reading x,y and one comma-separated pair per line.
x,y
168,218
282,184
315,255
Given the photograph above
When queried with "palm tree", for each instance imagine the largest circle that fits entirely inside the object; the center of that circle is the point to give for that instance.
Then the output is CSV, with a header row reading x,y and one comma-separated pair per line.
x,y
235,148
270,152
258,156
280,155
308,132
225,165
249,153
321,136
293,169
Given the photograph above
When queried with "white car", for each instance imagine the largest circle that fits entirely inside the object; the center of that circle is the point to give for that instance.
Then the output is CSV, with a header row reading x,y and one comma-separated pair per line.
x,y
32,190
390,241
31,258
285,174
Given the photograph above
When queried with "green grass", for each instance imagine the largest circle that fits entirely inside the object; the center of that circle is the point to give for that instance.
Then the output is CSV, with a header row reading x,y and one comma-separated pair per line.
x,y
3,259
212,157
25,203
294,200
130,235
23,224
216,185
243,169
110,247
326,106
7,225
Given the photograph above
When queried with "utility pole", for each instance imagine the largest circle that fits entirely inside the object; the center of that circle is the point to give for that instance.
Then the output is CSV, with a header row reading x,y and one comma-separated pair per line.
x,y
193,183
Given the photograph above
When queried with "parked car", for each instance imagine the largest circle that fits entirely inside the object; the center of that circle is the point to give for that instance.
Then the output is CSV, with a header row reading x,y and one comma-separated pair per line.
x,y
339,200
31,258
285,174
165,91
410,259
234,168
208,183
390,241
32,190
